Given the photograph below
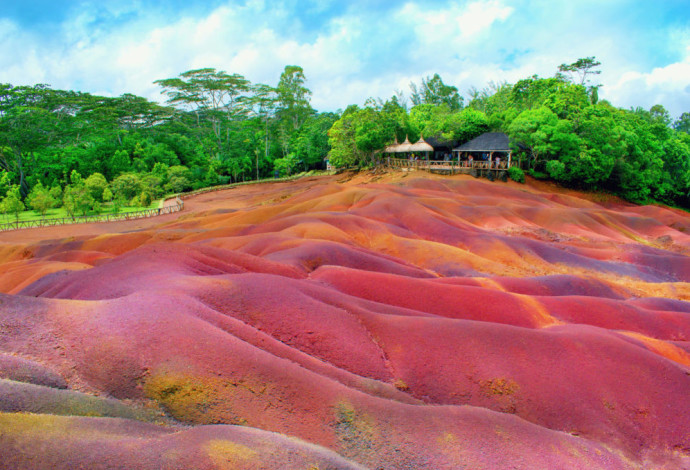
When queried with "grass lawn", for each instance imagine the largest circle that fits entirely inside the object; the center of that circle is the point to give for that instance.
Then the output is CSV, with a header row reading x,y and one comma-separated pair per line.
x,y
59,213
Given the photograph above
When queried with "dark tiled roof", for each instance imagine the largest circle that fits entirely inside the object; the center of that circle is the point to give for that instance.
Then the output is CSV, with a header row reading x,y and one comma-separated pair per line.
x,y
439,143
489,142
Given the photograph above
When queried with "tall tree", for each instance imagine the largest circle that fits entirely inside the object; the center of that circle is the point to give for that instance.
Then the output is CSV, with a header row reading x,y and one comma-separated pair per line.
x,y
293,105
214,95
433,91
582,69
40,199
682,124
263,103
26,125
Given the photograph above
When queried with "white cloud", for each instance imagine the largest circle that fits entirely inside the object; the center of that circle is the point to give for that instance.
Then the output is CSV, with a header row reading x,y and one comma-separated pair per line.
x,y
456,24
347,58
669,85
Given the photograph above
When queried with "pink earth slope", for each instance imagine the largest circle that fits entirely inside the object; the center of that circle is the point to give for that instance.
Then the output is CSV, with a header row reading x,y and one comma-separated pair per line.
x,y
352,321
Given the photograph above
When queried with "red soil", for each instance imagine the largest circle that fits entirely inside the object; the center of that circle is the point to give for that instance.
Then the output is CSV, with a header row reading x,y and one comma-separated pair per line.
x,y
400,322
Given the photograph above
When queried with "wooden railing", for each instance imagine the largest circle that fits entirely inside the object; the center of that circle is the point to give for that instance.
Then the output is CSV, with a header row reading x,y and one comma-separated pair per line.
x,y
161,210
83,219
452,166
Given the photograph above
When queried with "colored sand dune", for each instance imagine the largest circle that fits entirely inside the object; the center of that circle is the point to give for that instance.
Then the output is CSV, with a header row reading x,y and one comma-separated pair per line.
x,y
352,322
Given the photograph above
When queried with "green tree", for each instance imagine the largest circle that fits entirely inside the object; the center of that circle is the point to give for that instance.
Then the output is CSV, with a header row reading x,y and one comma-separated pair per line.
x,y
660,115
107,194
12,203
214,95
5,183
286,166
77,198
95,185
682,124
356,136
440,122
56,194
264,103
433,91
311,144
40,199
534,128
26,125
582,69
119,163
293,105
125,187
145,199
674,186
179,179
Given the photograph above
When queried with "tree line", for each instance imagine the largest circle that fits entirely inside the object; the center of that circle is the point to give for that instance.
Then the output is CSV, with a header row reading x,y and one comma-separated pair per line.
x,y
85,152
559,127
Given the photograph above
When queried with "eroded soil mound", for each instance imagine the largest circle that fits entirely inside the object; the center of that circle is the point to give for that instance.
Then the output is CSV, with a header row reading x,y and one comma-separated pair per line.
x,y
348,322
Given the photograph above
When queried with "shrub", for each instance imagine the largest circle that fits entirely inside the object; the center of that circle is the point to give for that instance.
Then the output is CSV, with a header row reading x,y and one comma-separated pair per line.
x,y
96,184
126,186
12,204
40,199
539,175
145,199
556,169
516,174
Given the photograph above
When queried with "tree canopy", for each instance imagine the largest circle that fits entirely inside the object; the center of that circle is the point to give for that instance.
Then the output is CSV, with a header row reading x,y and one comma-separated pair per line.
x,y
81,151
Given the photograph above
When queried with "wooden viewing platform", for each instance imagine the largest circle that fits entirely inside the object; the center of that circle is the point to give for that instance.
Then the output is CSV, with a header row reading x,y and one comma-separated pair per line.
x,y
477,167
486,155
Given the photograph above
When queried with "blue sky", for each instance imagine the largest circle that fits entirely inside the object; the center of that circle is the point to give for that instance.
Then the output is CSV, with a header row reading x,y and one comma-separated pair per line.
x,y
349,50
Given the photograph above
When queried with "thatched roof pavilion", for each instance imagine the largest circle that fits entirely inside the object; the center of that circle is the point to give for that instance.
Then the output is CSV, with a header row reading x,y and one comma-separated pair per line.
x,y
407,147
392,147
404,147
421,146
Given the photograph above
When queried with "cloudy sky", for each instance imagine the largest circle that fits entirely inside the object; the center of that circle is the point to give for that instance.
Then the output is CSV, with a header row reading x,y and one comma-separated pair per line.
x,y
350,50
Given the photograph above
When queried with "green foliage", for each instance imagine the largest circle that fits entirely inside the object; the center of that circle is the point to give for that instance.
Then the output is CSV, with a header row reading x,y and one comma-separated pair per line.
x,y
5,183
219,128
119,163
516,174
145,199
582,68
152,184
12,203
107,195
434,92
536,129
96,185
539,175
77,200
445,124
311,143
40,199
293,106
682,124
357,135
126,186
286,166
179,179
